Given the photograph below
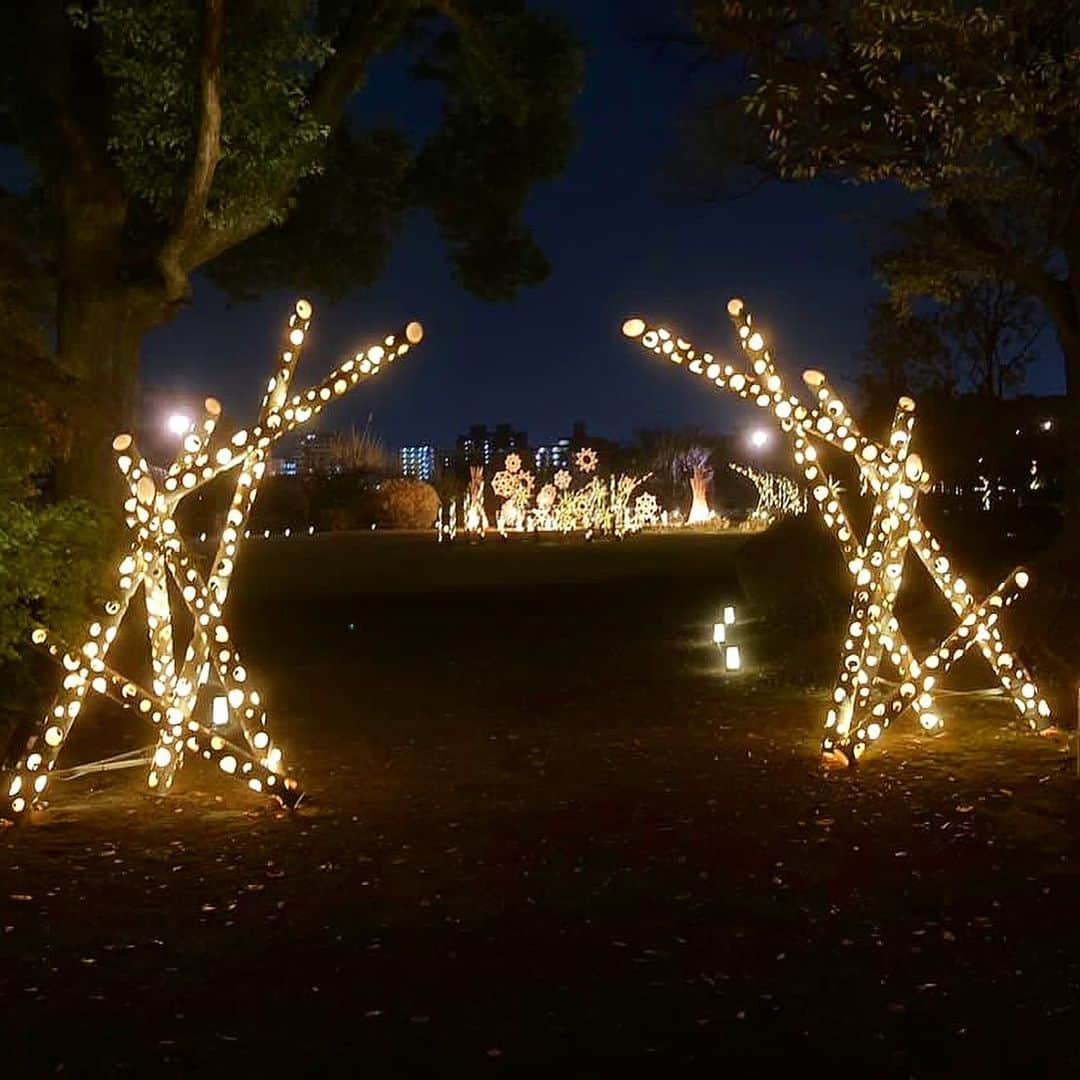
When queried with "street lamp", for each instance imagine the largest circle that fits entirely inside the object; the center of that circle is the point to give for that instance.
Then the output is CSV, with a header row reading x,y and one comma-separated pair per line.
x,y
178,424
759,438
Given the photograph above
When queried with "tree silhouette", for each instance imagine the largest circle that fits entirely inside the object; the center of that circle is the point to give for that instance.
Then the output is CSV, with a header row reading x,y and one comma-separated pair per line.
x,y
173,136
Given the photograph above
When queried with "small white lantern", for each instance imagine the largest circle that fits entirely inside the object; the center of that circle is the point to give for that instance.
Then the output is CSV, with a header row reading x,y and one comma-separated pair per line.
x,y
732,659
729,616
219,711
719,633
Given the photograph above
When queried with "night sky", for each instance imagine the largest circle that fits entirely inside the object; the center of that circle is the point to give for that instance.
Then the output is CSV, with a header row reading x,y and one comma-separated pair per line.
x,y
799,255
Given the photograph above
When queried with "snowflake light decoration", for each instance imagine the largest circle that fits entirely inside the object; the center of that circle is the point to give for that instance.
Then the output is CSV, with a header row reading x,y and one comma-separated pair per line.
x,y
563,479
586,459
503,484
230,731
861,709
646,510
515,487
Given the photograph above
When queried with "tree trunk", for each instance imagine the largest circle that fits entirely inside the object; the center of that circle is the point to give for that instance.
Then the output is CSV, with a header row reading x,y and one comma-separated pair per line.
x,y
1069,339
100,327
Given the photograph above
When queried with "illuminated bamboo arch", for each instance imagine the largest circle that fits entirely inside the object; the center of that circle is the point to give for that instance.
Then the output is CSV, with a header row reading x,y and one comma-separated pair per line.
x,y
778,495
893,477
235,735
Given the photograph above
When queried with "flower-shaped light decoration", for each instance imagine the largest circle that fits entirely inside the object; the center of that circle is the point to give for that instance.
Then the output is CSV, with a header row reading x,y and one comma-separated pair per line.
x,y
863,705
646,510
586,459
515,487
562,479
204,705
546,497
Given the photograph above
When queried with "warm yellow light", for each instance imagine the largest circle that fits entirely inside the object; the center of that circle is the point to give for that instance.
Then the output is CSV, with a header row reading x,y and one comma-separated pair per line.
x,y
219,711
719,633
893,477
159,567
732,658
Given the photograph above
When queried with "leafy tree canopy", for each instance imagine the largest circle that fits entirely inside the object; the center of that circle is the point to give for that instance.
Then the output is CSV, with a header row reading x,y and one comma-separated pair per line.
x,y
217,134
976,106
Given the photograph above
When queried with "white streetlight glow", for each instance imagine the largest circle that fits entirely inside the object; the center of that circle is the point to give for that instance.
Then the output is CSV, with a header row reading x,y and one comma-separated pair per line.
x,y
178,424
759,438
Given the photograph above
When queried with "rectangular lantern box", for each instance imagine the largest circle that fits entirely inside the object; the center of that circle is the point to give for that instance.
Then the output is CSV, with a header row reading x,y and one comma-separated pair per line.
x,y
719,633
732,659
729,616
219,711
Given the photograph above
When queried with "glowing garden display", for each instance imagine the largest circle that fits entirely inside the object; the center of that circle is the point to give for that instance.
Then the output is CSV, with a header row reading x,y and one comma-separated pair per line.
x,y
475,516
695,463
778,496
862,704
514,486
646,511
446,523
596,506
208,707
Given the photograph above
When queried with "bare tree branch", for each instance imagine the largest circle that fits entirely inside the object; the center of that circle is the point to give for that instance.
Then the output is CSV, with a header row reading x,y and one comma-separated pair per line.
x,y
207,150
366,31
1030,276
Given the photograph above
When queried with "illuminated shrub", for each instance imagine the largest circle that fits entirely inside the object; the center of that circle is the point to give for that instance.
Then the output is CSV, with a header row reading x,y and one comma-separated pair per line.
x,y
407,504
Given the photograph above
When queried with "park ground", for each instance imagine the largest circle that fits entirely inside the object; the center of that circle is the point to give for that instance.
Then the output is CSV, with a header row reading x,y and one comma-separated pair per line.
x,y
545,833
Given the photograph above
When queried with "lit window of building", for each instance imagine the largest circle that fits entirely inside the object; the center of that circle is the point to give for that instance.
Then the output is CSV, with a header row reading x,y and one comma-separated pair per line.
x,y
418,462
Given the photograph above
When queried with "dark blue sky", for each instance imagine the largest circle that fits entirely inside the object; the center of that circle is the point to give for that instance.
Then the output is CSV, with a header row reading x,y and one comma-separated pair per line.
x,y
798,254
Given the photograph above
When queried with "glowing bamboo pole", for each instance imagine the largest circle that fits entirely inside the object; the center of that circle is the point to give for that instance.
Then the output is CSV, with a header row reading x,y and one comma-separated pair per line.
x,y
834,424
763,386
969,632
893,477
778,496
156,554
231,759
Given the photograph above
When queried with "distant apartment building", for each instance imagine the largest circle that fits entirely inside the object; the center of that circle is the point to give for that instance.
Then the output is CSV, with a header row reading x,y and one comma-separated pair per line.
x,y
556,455
560,453
312,454
418,462
283,466
486,446
316,453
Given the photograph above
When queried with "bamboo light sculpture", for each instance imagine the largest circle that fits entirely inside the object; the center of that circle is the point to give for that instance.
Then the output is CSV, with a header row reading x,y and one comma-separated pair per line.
x,y
232,731
861,709
778,496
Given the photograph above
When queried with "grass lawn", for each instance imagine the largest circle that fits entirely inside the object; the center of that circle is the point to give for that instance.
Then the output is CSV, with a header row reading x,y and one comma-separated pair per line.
x,y
544,832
